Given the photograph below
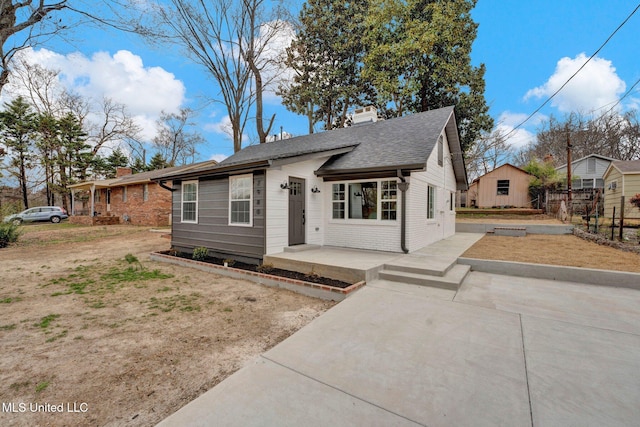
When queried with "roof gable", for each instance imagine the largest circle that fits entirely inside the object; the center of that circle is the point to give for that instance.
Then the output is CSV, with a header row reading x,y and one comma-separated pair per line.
x,y
628,167
582,159
506,165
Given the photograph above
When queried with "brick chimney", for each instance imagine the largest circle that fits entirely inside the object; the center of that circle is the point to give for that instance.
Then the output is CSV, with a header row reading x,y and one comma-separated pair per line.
x,y
549,159
123,172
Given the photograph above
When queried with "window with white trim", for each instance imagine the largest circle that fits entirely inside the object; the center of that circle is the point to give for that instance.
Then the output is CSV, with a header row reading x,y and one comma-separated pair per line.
x,y
124,193
440,151
240,199
337,201
365,200
389,200
189,202
431,202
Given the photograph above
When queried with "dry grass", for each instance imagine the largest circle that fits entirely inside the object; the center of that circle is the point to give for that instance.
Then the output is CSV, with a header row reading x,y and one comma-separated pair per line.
x,y
555,250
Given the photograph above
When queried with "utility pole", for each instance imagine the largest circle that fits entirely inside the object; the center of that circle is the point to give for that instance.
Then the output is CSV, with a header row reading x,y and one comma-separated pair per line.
x,y
569,195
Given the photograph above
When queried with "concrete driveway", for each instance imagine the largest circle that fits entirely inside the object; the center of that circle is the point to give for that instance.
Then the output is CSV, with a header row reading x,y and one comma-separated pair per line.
x,y
501,351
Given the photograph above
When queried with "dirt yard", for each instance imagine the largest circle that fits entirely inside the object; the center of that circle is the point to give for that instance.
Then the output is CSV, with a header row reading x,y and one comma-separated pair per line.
x,y
111,339
555,250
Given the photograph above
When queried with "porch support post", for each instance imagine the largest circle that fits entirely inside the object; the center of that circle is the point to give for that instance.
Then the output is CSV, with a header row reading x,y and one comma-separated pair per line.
x,y
93,194
403,185
73,203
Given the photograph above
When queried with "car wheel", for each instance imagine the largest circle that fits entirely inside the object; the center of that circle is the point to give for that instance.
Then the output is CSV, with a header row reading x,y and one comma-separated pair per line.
x,y
17,221
55,219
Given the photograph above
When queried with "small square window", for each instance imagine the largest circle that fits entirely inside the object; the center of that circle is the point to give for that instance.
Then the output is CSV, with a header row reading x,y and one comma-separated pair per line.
x,y
503,187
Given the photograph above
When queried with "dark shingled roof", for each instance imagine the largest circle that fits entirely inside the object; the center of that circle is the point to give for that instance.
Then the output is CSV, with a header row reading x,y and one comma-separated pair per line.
x,y
399,143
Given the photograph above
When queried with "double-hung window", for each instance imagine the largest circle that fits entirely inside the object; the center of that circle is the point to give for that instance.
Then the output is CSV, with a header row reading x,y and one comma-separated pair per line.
x,y
431,202
389,200
240,192
338,201
503,187
189,201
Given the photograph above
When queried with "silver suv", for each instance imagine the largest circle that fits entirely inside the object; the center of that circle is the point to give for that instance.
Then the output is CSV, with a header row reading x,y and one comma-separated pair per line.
x,y
42,213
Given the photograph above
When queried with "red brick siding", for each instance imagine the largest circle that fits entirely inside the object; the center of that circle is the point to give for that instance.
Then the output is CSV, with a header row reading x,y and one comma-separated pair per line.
x,y
155,211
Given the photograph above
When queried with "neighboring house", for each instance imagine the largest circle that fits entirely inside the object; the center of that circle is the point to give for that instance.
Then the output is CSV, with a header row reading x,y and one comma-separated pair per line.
x,y
622,178
505,186
385,186
129,198
587,172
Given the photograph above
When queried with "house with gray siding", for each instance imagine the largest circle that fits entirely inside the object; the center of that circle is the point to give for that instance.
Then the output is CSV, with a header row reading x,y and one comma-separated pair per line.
x,y
587,172
386,185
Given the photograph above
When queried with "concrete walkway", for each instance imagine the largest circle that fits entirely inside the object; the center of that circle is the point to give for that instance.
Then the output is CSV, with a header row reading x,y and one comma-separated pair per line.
x,y
501,350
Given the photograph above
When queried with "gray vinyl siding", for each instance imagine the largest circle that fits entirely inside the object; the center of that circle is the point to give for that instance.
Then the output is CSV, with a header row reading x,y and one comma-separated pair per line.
x,y
579,169
244,243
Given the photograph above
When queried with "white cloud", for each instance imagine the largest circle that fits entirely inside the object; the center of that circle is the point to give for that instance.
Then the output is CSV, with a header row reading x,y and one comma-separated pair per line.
x,y
278,36
596,86
521,137
145,91
218,157
223,127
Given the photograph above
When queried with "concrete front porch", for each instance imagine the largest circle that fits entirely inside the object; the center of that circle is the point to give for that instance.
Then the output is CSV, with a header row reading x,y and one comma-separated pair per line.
x,y
354,265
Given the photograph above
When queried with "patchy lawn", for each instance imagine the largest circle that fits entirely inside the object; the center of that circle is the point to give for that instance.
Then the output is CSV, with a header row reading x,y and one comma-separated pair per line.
x,y
88,322
566,250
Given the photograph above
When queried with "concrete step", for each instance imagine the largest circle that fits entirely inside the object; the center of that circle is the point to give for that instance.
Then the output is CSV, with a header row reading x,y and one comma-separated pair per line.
x,y
451,280
430,266
301,248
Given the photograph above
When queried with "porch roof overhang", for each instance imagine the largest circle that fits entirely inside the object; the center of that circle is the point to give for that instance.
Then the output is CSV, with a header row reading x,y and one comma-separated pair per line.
x,y
216,171
368,173
88,185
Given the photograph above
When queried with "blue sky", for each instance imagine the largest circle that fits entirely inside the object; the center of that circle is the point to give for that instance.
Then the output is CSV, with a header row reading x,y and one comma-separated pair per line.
x,y
529,48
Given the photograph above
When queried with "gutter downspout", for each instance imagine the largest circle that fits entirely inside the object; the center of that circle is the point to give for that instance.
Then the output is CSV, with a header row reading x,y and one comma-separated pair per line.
x,y
161,184
403,185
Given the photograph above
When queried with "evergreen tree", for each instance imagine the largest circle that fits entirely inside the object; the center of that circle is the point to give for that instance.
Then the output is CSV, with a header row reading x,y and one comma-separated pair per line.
x,y
17,129
73,157
418,58
405,56
157,162
327,56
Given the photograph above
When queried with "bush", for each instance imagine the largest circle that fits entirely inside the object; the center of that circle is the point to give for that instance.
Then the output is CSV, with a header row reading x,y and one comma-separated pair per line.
x,y
9,233
265,268
200,254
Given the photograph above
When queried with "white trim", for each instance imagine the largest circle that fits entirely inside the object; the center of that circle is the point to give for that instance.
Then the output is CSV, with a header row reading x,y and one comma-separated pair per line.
x,y
182,201
238,177
432,189
347,208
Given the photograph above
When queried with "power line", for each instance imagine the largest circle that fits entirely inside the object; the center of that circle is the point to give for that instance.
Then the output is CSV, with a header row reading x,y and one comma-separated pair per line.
x,y
621,98
574,74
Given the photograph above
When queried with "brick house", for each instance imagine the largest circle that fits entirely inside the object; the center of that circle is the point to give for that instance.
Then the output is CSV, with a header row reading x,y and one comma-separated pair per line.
x,y
128,198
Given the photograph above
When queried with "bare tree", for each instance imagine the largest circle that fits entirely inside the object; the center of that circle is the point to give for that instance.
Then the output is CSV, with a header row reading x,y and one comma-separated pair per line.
x,y
489,152
23,24
256,43
231,39
613,135
175,144
113,123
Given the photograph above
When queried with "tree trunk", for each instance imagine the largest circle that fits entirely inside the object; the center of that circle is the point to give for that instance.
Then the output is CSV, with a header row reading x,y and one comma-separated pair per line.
x,y
23,182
